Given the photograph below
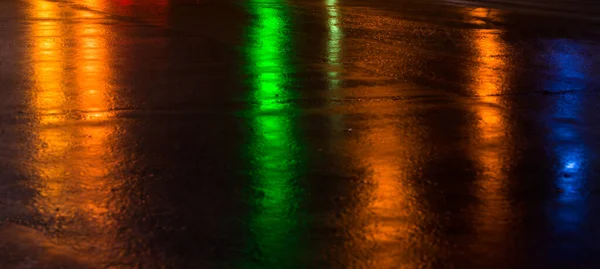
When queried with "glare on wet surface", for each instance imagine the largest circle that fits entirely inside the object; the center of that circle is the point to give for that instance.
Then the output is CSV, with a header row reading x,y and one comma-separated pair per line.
x,y
71,152
297,134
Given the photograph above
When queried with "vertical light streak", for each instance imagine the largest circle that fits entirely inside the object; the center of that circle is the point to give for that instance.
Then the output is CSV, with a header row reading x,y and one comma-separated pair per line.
x,y
274,150
70,60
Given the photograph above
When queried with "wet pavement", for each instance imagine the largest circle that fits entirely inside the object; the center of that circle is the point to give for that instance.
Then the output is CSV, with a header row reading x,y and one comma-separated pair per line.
x,y
299,134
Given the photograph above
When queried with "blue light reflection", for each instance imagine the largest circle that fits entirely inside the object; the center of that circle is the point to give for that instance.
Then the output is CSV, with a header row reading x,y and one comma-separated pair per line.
x,y
568,80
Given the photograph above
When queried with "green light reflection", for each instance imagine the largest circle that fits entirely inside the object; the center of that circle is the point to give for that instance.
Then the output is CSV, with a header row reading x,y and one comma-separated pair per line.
x,y
269,44
333,43
274,150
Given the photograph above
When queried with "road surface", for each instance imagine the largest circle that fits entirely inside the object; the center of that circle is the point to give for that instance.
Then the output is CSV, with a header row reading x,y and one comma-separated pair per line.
x,y
299,134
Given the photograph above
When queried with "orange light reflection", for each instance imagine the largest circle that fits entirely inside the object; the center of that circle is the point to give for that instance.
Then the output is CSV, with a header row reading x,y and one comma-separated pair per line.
x,y
490,141
387,213
73,158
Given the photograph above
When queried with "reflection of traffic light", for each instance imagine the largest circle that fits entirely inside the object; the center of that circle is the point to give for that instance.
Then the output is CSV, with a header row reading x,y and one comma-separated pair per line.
x,y
274,150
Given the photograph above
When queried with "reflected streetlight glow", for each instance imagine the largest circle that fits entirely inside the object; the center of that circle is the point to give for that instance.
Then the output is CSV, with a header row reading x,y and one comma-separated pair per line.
x,y
388,208
48,65
73,156
384,220
490,143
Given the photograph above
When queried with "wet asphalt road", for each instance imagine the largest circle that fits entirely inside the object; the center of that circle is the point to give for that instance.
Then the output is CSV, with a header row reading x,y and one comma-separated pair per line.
x,y
299,134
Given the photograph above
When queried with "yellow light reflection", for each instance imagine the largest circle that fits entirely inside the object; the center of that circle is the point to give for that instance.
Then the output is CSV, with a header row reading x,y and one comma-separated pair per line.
x,y
73,155
490,142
